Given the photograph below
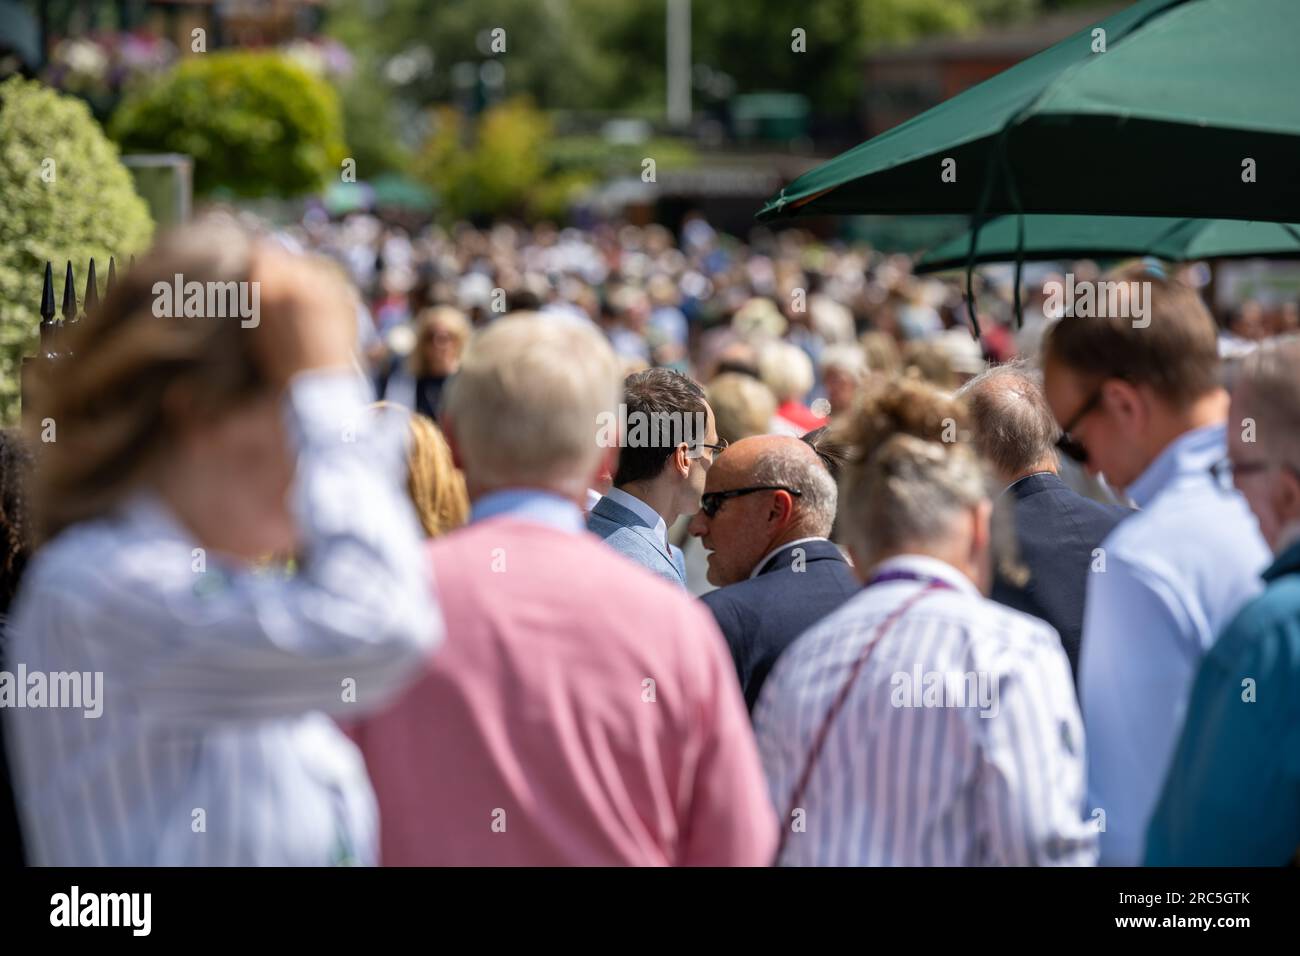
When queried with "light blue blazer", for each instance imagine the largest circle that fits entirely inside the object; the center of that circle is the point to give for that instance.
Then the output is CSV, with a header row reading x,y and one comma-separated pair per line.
x,y
628,534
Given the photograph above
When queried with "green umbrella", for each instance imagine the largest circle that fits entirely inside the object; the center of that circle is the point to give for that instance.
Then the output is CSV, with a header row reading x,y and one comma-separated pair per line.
x,y
1114,237
1188,100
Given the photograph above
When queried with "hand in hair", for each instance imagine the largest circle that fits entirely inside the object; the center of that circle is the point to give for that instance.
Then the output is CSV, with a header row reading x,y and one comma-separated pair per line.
x,y
307,318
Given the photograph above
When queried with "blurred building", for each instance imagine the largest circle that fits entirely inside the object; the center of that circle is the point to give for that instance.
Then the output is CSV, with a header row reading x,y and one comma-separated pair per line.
x,y
904,81
240,23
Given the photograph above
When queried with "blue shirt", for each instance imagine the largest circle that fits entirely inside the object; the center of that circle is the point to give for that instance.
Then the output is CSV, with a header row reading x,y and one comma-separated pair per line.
x,y
1232,797
1173,576
530,504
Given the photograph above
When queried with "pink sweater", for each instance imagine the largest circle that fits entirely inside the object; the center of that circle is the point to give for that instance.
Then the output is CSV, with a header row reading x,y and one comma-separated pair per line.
x,y
580,712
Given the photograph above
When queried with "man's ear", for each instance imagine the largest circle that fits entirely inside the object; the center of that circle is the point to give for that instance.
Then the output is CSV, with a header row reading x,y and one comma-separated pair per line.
x,y
1130,405
682,459
782,508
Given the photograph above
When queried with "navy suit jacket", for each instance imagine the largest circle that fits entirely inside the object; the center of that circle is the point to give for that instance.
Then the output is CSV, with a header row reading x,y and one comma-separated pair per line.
x,y
627,533
1057,530
761,616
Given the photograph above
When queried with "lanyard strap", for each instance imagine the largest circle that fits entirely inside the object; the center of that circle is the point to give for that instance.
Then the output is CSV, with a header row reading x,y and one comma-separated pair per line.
x,y
819,740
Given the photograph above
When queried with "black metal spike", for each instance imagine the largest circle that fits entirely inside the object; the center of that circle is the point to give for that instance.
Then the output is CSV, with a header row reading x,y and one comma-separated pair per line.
x,y
69,295
92,290
47,296
112,276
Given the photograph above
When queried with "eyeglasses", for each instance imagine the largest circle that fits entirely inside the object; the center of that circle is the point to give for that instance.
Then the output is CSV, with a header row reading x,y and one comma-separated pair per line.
x,y
711,501
717,449
1067,444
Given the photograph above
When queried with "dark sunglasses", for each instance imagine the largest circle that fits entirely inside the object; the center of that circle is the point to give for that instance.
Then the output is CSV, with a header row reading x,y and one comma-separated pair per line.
x,y
711,501
1067,444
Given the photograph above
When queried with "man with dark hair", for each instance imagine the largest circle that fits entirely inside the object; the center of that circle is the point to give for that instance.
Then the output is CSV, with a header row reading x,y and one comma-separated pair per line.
x,y
669,441
1057,530
1139,398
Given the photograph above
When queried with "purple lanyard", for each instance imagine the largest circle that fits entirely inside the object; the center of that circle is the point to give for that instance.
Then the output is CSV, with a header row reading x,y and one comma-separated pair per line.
x,y
901,575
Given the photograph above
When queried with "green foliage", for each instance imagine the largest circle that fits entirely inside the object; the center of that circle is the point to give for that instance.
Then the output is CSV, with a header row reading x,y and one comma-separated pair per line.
x,y
606,55
374,137
90,208
496,172
257,124
550,54
508,163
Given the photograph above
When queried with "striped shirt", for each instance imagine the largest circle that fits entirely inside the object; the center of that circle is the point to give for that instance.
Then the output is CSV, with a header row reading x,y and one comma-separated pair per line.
x,y
214,746
960,743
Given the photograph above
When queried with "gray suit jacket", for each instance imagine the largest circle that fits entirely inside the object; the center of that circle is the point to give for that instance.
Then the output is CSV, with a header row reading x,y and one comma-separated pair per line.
x,y
629,535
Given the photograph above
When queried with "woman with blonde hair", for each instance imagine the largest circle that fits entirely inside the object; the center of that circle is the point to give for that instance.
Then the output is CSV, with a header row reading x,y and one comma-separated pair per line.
x,y
186,448
441,335
436,486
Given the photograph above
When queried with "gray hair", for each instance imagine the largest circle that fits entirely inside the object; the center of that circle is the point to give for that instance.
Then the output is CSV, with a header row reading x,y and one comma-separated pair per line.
x,y
528,403
1268,384
797,466
1011,422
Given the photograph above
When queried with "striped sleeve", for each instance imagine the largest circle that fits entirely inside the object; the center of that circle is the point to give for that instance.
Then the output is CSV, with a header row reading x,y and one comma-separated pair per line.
x,y
1031,784
257,645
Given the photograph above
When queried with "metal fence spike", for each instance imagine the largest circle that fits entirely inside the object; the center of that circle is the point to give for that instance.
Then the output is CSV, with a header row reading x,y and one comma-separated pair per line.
x,y
47,296
92,290
112,276
69,295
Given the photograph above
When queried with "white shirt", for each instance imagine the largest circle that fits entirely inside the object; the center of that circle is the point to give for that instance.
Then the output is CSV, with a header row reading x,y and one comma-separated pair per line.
x,y
781,547
214,746
904,781
641,510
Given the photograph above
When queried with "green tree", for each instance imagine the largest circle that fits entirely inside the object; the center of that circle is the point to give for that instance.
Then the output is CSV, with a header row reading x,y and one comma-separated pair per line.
x,y
549,54
599,54
257,124
64,195
498,171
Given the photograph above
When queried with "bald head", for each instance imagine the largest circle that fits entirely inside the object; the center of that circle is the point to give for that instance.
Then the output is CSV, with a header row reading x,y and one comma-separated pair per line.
x,y
797,501
785,461
1012,424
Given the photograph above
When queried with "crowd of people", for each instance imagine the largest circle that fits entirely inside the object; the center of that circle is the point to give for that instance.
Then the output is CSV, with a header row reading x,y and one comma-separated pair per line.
x,y
369,582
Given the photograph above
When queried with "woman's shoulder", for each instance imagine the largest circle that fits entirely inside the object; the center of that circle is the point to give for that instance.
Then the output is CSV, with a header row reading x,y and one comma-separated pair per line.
x,y
133,547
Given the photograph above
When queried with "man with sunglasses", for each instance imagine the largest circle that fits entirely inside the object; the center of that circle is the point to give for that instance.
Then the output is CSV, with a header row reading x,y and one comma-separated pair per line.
x,y
1243,722
765,517
668,447
1143,405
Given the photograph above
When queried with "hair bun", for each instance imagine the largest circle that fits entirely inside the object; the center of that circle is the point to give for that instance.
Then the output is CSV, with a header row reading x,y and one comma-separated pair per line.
x,y
902,407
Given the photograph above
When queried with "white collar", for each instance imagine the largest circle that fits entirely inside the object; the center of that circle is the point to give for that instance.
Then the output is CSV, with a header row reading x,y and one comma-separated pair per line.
x,y
926,566
642,510
781,547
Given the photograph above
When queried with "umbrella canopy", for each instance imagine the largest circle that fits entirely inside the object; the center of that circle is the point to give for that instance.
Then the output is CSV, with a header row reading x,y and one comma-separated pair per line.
x,y
1188,101
1113,237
